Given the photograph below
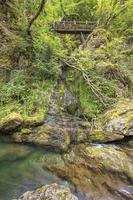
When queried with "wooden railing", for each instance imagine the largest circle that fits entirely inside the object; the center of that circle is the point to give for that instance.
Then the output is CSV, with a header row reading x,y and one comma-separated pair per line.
x,y
74,26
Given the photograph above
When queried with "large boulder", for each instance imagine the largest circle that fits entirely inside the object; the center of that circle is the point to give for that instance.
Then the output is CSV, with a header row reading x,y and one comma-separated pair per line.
x,y
51,192
57,133
54,138
120,119
117,123
14,122
99,172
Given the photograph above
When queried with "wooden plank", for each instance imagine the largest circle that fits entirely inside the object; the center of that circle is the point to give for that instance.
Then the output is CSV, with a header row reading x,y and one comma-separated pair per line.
x,y
73,31
74,27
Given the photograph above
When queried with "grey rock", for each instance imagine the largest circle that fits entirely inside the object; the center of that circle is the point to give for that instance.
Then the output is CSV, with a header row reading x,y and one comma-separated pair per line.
x,y
49,192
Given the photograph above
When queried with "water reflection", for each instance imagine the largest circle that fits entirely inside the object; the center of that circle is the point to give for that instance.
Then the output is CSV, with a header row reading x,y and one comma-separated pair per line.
x,y
21,170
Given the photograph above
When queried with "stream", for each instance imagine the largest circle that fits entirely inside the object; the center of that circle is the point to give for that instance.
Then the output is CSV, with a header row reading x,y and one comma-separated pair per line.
x,y
98,171
21,170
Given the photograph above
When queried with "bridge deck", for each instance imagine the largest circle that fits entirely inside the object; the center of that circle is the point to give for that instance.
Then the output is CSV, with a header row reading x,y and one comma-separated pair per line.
x,y
74,27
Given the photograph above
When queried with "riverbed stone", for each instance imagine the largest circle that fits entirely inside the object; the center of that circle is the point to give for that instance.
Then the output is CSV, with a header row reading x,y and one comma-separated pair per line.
x,y
49,192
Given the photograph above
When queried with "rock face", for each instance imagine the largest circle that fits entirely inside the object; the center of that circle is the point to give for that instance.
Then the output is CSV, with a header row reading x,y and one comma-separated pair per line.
x,y
120,119
51,192
60,130
58,133
99,172
56,137
61,127
102,136
117,124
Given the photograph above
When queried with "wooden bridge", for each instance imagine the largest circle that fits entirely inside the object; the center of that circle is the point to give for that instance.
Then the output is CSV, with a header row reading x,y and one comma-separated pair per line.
x,y
74,27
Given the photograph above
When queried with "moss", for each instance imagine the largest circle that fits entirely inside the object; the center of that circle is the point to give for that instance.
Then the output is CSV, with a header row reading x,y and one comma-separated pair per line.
x,y
24,121
109,89
98,136
89,103
10,123
94,152
26,131
30,100
80,136
34,121
10,117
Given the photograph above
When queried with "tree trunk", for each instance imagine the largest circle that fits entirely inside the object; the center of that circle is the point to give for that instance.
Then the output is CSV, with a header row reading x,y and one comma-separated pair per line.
x,y
41,6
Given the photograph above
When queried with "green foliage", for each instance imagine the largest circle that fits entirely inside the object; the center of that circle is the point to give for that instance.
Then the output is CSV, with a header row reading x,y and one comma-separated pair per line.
x,y
24,94
33,64
89,103
108,69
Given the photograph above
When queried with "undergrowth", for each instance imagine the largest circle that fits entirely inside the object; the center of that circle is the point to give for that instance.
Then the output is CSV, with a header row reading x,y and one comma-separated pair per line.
x,y
24,94
108,68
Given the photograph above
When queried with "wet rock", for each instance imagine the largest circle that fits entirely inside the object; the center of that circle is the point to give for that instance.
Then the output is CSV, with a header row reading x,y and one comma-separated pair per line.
x,y
55,138
97,170
61,127
120,119
112,158
85,124
51,192
117,124
102,136
70,103
130,143
58,137
57,133
34,121
10,123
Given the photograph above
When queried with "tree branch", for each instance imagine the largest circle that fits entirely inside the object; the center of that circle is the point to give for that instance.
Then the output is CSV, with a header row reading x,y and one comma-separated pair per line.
x,y
94,90
115,15
41,6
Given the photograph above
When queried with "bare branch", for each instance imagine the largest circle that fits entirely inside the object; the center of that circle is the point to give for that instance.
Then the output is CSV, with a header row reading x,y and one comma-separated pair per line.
x,y
94,90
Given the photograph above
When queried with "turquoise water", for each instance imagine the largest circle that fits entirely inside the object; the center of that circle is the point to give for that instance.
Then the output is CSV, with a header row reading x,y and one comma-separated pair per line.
x,y
21,169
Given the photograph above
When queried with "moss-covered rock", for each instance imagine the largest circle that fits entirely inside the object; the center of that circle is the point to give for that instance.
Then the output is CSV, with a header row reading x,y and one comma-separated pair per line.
x,y
15,121
116,124
10,123
120,119
102,136
99,171
33,121
51,192
116,159
46,136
